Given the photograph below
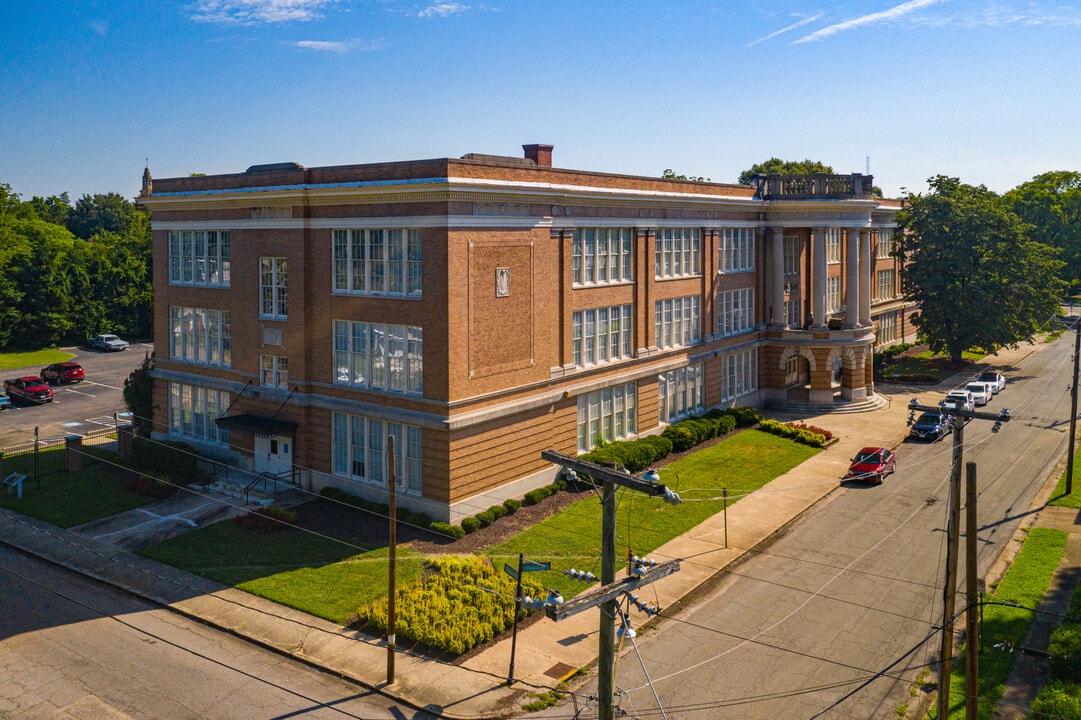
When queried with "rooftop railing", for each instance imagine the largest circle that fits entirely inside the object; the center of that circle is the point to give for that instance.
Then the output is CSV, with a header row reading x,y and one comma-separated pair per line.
x,y
815,186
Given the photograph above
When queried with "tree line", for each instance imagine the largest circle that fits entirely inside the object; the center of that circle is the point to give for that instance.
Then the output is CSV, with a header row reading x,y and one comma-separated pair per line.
x,y
68,272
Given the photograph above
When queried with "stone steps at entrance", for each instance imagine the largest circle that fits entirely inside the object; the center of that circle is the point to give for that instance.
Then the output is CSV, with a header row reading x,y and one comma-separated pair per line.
x,y
873,402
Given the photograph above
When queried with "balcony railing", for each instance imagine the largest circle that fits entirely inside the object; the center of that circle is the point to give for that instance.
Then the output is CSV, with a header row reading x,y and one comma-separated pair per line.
x,y
816,186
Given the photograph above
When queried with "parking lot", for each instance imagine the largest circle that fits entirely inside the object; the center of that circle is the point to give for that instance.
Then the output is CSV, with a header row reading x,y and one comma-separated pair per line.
x,y
77,408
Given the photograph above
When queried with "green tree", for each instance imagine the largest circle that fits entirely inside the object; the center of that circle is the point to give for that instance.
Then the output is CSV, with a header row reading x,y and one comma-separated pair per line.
x,y
670,174
1051,204
111,212
978,280
139,397
55,208
39,269
783,167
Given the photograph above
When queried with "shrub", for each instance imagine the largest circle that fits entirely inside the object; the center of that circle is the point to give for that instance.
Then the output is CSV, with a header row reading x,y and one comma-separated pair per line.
x,y
268,519
1065,650
444,528
745,416
485,517
1058,699
408,516
149,487
512,505
470,524
790,432
813,428
497,511
535,495
166,458
725,424
681,436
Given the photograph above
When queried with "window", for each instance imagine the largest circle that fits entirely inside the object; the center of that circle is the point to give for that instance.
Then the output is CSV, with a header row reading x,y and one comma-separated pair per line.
x,y
682,392
739,374
200,335
272,294
192,410
609,413
735,311
378,262
833,294
884,284
792,317
887,328
359,450
602,256
833,245
379,357
885,243
677,321
791,254
199,257
736,250
677,253
601,335
274,371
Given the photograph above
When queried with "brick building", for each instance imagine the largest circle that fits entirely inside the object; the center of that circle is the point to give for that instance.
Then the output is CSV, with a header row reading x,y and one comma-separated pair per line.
x,y
486,308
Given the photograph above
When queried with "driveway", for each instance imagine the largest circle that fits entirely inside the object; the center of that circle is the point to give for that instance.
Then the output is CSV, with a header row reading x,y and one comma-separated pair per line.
x,y
77,408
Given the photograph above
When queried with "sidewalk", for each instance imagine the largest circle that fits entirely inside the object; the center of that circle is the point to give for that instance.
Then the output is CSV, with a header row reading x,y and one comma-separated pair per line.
x,y
547,652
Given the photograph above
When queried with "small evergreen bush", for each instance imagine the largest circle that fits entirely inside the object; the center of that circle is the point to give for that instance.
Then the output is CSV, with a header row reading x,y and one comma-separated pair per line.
x,y
268,519
470,524
497,511
444,528
512,505
745,416
485,517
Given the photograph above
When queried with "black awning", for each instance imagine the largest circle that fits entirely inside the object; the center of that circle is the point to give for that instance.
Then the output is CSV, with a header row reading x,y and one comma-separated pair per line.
x,y
256,425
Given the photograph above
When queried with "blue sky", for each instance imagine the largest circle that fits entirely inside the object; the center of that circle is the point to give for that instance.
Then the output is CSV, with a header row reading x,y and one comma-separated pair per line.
x,y
92,89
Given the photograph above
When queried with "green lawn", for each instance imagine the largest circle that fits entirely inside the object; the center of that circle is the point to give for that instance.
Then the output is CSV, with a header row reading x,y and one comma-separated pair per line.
x,y
1059,496
1025,583
12,360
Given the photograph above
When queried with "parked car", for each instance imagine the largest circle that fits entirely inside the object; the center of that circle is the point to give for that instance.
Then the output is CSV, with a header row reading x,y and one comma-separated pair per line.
x,y
5,402
931,426
959,399
63,372
981,392
28,390
994,379
872,464
108,343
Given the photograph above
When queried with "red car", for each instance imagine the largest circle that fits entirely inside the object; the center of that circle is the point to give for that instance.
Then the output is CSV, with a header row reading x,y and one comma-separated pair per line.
x,y
871,464
63,372
28,390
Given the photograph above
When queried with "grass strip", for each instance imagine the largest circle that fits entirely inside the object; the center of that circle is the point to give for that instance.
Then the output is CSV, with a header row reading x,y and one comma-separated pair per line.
x,y
19,360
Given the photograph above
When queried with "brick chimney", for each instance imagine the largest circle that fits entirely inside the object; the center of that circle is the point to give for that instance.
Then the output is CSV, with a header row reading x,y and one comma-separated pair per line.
x,y
540,154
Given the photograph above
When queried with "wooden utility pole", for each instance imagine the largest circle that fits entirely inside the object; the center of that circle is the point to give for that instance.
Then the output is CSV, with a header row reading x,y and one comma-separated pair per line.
x,y
392,552
972,631
606,664
949,592
1073,407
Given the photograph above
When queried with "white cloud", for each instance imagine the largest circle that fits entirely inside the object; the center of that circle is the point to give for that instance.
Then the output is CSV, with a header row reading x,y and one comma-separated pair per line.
x,y
783,30
443,9
101,27
340,47
895,13
254,12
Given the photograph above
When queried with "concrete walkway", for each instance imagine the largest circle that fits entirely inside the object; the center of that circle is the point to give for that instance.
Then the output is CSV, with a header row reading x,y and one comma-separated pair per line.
x,y
547,652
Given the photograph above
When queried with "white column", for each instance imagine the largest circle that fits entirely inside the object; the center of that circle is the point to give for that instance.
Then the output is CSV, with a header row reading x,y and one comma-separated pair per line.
x,y
852,278
818,295
867,270
776,254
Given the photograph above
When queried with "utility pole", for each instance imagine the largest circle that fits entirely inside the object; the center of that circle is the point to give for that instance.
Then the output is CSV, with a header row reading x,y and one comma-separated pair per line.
x,y
958,417
606,597
1073,406
972,628
392,552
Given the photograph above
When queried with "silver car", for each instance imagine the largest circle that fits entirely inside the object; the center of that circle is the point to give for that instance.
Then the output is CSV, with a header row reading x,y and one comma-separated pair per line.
x,y
108,343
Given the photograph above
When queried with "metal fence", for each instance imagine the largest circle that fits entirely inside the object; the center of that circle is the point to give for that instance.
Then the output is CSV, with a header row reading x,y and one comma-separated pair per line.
x,y
41,458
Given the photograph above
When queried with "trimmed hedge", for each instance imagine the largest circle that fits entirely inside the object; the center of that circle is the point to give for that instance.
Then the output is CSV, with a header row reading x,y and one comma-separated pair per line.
x,y
268,519
404,515
470,524
165,458
787,430
512,505
444,528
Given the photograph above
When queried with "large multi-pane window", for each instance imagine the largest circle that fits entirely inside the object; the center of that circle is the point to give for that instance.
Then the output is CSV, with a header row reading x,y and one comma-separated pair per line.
x,y
739,374
792,316
735,311
360,448
602,256
274,371
601,335
610,414
200,335
682,392
884,284
833,245
791,254
199,257
192,410
677,253
677,321
833,294
379,357
885,243
378,262
272,288
887,328
736,250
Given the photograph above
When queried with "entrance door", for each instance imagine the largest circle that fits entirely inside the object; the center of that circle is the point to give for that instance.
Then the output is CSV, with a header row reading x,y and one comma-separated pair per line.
x,y
273,455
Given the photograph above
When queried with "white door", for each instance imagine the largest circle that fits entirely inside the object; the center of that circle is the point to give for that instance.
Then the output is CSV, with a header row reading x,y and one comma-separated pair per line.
x,y
273,455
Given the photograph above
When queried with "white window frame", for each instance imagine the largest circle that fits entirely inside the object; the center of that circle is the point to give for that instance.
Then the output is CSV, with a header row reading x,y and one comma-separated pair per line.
x,y
885,243
792,315
792,247
274,371
200,335
602,256
611,413
884,284
378,356
677,253
677,321
192,411
735,311
833,294
739,374
379,262
601,335
736,250
358,451
199,257
833,245
273,288
887,328
681,392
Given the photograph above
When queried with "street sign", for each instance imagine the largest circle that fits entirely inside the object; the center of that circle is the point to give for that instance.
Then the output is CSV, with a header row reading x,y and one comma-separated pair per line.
x,y
513,572
534,566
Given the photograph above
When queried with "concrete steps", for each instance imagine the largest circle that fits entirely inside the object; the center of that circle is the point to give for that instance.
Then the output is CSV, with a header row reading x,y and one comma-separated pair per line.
x,y
837,408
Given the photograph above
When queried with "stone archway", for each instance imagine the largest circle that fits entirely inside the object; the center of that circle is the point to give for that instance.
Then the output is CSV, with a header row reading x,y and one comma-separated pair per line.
x,y
853,376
